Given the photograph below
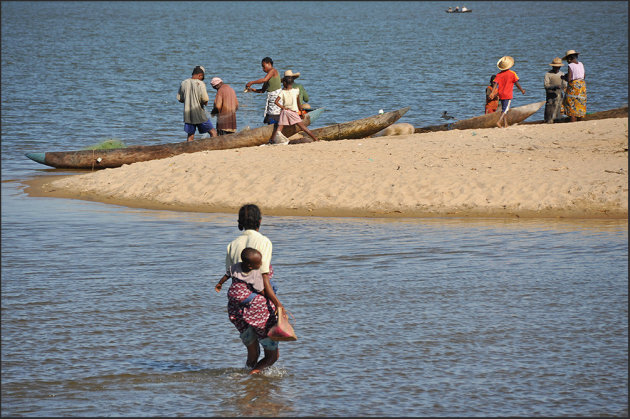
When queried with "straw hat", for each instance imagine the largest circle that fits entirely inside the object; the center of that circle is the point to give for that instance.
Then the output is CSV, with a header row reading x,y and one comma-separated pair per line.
x,y
505,62
570,52
557,62
290,73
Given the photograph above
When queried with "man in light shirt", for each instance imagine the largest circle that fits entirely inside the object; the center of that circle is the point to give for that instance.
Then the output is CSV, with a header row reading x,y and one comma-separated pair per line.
x,y
193,94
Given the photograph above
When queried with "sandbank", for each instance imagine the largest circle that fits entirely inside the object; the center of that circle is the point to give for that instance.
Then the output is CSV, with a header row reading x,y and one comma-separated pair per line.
x,y
570,170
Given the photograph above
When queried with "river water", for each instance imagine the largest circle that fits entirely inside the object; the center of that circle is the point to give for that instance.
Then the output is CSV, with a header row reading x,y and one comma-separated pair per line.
x,y
110,311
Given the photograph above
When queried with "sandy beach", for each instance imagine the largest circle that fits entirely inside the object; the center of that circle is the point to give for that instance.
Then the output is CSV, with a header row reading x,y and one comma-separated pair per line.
x,y
571,170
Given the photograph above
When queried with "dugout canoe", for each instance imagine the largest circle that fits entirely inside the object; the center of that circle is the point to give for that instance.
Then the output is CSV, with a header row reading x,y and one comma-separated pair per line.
x,y
611,113
116,157
360,128
514,116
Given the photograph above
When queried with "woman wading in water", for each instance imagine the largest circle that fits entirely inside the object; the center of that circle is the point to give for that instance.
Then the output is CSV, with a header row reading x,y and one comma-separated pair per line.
x,y
253,313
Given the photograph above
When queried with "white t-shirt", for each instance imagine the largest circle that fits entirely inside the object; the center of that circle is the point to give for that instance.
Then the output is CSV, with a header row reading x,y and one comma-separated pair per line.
x,y
577,71
288,98
253,239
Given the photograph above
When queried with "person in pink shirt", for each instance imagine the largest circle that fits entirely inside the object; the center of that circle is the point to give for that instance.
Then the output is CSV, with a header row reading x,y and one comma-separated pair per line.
x,y
503,85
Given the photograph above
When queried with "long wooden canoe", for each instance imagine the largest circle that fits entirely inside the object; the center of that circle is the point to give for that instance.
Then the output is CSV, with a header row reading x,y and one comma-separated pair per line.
x,y
360,128
611,113
514,116
116,157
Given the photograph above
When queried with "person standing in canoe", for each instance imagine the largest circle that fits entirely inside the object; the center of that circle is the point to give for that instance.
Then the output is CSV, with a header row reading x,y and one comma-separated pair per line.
x,y
503,85
554,86
254,317
193,94
289,103
225,106
574,104
271,85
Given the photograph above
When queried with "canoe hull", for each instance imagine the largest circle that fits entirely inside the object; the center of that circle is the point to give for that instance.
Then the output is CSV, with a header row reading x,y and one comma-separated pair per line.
x,y
611,113
514,116
105,159
360,128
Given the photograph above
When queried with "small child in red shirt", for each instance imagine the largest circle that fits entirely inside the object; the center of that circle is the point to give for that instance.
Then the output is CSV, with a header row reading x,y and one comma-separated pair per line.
x,y
503,85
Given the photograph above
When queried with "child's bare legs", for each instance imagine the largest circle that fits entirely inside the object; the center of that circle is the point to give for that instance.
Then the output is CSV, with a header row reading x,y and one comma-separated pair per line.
x,y
271,356
306,130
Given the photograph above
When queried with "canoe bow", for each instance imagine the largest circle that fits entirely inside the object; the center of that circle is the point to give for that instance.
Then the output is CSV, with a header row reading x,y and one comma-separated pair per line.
x,y
116,157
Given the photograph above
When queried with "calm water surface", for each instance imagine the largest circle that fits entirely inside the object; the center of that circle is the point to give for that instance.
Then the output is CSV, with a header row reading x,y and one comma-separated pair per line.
x,y
110,311
75,73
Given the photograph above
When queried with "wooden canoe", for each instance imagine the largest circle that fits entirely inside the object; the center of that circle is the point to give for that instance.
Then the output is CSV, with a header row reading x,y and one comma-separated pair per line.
x,y
612,113
116,157
360,128
514,116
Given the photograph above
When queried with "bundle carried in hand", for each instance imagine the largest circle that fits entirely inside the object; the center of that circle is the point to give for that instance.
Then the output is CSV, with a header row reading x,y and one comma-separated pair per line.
x,y
282,331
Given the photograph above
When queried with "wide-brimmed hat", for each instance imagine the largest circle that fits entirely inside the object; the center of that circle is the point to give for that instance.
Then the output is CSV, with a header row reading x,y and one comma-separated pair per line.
x,y
570,52
505,62
290,73
557,62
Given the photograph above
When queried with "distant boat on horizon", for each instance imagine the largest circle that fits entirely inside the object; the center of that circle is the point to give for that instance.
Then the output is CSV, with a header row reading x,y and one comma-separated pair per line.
x,y
458,10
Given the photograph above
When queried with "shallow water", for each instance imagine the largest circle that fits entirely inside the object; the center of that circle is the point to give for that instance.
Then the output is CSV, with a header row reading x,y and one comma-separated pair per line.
x,y
110,311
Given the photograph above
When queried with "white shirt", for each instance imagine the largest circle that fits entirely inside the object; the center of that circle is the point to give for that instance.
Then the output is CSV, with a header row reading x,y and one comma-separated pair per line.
x,y
253,239
577,71
288,98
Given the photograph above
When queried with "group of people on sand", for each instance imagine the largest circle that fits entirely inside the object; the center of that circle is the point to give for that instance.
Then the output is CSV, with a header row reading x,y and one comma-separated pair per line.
x,y
286,103
252,300
565,93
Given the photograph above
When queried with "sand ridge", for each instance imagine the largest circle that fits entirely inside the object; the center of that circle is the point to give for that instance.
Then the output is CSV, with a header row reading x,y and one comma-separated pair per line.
x,y
577,170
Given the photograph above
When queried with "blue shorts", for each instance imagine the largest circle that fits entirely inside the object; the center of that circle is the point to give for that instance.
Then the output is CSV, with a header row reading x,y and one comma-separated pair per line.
x,y
249,336
505,105
203,127
271,119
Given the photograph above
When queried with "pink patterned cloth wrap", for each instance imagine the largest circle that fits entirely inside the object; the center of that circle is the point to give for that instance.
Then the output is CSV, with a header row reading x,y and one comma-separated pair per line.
x,y
259,313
